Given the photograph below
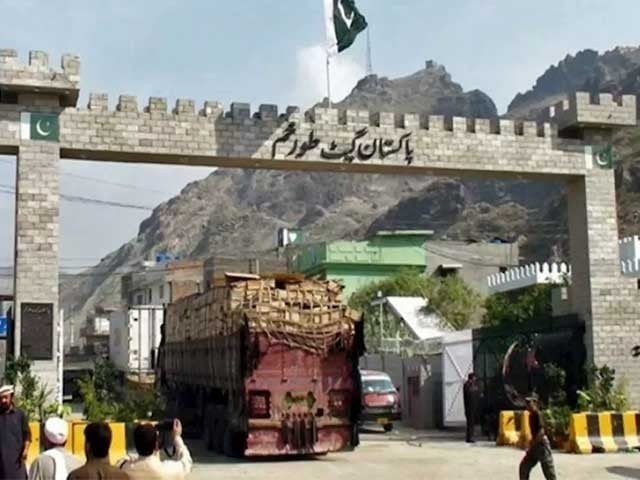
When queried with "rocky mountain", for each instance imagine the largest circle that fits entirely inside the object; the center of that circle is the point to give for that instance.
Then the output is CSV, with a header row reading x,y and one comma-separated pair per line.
x,y
430,91
613,71
236,213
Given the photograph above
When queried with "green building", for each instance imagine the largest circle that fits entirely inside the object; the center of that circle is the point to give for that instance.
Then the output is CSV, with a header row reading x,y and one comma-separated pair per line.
x,y
358,263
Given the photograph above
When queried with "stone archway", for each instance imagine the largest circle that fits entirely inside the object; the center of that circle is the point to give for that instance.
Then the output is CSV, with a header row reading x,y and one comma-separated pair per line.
x,y
39,122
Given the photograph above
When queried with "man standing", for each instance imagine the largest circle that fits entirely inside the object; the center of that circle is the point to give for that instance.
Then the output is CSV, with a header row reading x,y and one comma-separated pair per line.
x,y
471,393
54,463
148,465
97,441
15,437
540,449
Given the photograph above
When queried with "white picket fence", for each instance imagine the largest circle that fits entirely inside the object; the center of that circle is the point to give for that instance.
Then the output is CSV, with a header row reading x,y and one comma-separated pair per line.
x,y
529,275
536,273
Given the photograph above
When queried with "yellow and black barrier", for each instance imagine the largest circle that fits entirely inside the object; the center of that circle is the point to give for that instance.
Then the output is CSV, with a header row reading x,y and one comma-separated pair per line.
x,y
604,432
75,441
513,428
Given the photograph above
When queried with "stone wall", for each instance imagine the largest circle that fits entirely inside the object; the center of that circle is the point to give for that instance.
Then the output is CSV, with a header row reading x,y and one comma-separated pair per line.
x,y
37,238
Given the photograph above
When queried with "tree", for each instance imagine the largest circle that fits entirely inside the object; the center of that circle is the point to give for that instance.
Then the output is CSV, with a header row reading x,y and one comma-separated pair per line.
x,y
519,307
450,297
454,300
105,399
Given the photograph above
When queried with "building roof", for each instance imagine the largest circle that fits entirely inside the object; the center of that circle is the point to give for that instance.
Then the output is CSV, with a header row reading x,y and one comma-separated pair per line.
x,y
398,233
409,309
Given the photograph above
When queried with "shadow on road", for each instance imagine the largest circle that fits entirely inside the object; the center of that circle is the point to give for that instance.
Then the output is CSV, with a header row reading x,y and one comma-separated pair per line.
x,y
625,472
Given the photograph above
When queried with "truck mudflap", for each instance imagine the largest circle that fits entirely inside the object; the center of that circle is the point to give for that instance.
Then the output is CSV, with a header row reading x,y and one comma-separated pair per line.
x,y
297,436
300,433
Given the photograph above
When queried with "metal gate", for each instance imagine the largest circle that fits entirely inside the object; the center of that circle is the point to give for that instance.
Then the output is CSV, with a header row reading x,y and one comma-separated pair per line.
x,y
457,362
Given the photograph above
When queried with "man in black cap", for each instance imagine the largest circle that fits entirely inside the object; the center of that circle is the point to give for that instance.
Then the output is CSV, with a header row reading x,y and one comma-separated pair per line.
x,y
15,437
540,449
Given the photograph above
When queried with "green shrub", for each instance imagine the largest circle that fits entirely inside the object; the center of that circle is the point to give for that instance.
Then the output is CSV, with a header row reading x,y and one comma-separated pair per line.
x,y
556,421
31,396
603,394
105,399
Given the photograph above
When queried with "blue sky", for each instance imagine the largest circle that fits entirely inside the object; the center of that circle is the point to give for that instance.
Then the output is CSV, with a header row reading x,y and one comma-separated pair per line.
x,y
268,51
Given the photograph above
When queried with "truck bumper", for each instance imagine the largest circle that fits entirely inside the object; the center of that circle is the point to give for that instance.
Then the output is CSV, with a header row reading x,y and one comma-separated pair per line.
x,y
265,441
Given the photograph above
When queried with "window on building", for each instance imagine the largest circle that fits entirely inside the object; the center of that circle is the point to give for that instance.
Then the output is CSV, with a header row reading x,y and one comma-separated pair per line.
x,y
161,292
448,270
139,300
150,296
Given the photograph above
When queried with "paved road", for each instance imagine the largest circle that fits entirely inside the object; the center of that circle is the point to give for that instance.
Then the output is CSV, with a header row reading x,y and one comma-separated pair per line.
x,y
408,456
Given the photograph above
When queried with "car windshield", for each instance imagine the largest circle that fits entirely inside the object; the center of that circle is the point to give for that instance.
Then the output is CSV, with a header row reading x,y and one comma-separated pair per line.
x,y
377,385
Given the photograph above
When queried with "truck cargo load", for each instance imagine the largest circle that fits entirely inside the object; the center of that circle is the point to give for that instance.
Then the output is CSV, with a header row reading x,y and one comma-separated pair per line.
x,y
265,365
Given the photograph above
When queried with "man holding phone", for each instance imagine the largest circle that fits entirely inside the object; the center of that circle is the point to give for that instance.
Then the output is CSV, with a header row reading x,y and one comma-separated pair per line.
x,y
148,465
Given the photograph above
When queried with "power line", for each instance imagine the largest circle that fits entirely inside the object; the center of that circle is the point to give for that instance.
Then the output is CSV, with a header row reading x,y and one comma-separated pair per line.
x,y
7,189
105,182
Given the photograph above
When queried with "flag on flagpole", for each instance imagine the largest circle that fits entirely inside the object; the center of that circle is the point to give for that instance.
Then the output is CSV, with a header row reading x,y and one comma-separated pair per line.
x,y
344,22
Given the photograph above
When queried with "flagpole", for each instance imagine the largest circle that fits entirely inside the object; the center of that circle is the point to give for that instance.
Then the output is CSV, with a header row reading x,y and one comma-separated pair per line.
x,y
329,78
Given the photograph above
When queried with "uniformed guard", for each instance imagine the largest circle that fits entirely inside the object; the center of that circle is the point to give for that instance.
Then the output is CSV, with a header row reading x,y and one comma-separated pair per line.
x,y
471,397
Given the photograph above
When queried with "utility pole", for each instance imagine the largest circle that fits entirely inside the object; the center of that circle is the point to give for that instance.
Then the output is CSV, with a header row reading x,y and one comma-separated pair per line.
x,y
60,359
369,57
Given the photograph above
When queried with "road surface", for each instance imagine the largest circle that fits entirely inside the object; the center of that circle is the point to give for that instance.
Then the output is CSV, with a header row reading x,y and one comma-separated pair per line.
x,y
409,455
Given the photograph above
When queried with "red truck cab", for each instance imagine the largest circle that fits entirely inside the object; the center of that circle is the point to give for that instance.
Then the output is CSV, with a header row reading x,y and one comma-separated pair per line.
x,y
380,400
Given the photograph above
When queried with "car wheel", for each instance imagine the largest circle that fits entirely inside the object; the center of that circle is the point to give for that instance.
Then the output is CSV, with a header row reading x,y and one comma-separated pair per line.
x,y
388,427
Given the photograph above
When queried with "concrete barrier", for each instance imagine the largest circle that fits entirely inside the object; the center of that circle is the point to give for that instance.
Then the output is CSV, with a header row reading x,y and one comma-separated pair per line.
x,y
604,432
34,447
118,448
513,428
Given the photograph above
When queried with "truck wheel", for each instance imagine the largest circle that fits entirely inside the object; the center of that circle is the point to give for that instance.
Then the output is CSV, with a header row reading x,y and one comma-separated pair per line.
x,y
207,431
232,445
218,435
388,427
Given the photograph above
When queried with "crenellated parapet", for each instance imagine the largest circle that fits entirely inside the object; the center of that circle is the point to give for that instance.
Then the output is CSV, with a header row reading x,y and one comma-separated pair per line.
x,y
37,76
184,107
242,113
529,275
583,110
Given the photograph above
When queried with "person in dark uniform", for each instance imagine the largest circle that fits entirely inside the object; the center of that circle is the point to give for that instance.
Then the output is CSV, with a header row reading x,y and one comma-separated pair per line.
x,y
540,449
15,437
471,393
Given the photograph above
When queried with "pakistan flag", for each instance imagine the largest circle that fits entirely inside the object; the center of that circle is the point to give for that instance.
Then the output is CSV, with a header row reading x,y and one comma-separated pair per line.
x,y
344,23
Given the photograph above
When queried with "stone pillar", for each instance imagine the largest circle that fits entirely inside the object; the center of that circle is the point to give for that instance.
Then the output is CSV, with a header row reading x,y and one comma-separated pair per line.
x,y
606,300
36,254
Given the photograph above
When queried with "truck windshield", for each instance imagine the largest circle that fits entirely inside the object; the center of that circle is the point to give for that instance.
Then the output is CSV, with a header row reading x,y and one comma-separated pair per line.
x,y
377,385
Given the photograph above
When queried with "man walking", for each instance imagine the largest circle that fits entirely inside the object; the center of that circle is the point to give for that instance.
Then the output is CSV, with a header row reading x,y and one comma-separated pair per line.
x,y
97,441
54,463
540,449
15,437
471,392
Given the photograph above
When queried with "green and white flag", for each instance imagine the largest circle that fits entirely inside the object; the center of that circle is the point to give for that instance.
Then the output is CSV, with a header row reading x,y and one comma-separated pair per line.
x,y
39,126
606,158
344,22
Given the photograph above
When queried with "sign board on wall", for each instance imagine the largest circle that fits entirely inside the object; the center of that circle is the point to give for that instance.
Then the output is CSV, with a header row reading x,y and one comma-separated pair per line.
x,y
37,330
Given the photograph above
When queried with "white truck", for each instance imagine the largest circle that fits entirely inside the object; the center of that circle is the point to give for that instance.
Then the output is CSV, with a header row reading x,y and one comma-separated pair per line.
x,y
134,338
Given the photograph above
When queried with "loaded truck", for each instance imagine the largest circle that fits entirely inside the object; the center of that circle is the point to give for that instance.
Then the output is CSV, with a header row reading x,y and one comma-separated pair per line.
x,y
134,339
265,366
